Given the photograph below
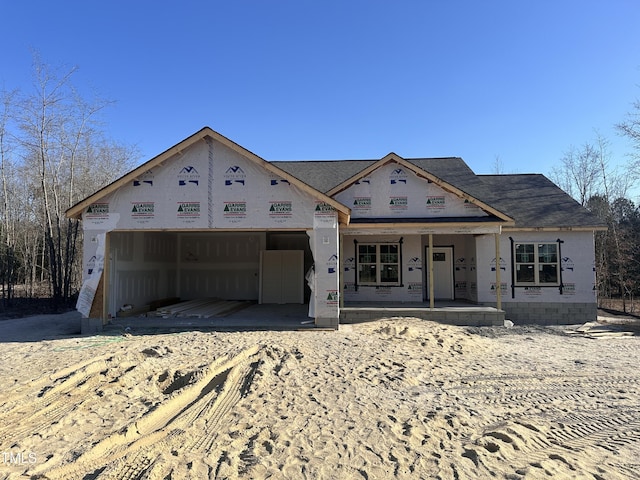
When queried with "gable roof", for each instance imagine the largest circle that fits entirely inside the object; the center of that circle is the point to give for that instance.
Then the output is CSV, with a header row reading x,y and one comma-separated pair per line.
x,y
323,175
532,200
328,173
537,203
524,201
76,210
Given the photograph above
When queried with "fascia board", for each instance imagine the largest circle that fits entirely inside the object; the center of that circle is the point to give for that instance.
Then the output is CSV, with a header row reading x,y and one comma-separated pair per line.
x,y
568,228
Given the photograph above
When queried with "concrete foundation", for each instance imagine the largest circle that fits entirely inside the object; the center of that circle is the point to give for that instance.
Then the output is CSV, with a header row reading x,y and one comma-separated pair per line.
x,y
90,326
327,322
556,313
464,316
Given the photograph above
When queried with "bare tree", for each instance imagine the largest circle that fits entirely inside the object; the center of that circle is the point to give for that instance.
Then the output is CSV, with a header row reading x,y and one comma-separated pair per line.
x,y
498,165
62,148
53,153
579,172
7,225
615,187
631,126
588,175
45,115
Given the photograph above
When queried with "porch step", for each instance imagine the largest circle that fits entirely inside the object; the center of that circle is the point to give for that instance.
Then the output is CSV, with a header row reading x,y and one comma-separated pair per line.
x,y
462,316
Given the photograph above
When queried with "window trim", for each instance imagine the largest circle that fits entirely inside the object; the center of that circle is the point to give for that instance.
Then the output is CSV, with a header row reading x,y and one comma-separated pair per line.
x,y
536,264
378,264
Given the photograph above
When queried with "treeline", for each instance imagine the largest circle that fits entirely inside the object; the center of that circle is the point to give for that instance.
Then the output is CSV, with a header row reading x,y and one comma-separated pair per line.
x,y
53,153
617,252
586,173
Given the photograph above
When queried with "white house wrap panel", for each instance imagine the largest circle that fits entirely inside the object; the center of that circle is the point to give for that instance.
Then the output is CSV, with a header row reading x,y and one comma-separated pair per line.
x,y
576,275
175,195
395,191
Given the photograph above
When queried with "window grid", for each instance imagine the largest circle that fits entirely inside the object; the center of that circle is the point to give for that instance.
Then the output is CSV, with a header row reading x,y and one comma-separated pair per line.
x,y
379,264
536,264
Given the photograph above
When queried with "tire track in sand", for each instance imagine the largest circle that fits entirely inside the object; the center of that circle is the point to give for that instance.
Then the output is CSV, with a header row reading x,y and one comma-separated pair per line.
x,y
556,420
539,392
188,421
526,446
562,440
52,403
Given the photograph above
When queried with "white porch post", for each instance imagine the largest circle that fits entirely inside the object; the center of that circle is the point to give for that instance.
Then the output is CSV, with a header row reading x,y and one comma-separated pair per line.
x,y
496,237
106,279
340,268
430,267
326,257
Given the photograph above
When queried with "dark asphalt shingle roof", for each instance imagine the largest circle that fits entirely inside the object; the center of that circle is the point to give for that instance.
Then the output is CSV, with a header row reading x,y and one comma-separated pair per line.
x,y
531,200
323,175
535,201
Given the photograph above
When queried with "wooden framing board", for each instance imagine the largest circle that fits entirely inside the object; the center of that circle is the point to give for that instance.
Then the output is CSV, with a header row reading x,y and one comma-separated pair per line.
x,y
202,308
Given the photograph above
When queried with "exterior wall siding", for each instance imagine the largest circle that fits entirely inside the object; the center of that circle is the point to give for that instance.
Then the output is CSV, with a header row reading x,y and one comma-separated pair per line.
x,y
576,303
414,268
206,186
411,289
394,191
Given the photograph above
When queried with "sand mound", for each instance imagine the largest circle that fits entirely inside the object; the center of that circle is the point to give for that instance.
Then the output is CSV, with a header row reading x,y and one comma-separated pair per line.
x,y
400,398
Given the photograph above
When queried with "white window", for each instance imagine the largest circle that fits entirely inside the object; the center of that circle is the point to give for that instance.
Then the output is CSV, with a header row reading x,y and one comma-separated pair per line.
x,y
536,264
379,264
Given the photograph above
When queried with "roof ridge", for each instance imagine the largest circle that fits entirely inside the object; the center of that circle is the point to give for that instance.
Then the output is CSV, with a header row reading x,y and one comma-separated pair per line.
x,y
508,174
364,159
330,160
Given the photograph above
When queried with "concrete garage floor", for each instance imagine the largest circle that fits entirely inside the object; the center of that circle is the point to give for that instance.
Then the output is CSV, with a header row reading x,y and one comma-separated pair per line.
x,y
253,317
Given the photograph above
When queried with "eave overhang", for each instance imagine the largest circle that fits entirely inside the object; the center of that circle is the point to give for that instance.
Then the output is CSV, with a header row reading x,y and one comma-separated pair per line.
x,y
441,225
567,228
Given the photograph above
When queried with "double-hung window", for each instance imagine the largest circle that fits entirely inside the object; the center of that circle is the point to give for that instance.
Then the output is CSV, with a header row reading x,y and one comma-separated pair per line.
x,y
379,264
536,264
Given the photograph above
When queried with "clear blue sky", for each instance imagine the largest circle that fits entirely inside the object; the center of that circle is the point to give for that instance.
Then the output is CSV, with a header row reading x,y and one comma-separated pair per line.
x,y
302,79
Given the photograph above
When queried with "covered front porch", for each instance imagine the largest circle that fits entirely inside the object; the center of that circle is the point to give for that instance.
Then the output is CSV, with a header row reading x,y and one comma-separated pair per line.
x,y
443,311
432,272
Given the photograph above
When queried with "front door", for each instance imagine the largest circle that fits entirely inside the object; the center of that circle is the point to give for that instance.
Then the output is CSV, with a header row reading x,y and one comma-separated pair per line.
x,y
442,260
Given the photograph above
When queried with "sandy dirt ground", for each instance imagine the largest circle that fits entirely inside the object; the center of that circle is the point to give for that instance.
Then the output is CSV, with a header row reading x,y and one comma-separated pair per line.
x,y
398,398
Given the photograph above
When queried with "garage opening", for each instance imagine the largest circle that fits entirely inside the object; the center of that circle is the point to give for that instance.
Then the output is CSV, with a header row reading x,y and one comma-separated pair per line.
x,y
149,270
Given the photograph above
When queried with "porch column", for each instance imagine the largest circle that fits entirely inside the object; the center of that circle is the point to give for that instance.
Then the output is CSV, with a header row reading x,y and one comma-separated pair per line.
x,y
430,267
106,278
496,237
325,247
340,268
